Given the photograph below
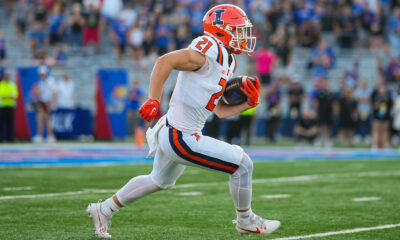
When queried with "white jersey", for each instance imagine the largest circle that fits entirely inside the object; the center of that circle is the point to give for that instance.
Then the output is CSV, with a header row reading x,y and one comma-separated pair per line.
x,y
197,92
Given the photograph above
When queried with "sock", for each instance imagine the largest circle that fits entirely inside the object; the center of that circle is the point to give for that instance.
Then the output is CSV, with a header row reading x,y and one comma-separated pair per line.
x,y
240,184
109,207
244,217
241,196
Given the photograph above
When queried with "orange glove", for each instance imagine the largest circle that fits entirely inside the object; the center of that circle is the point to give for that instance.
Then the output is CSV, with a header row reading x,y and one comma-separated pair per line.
x,y
149,109
252,92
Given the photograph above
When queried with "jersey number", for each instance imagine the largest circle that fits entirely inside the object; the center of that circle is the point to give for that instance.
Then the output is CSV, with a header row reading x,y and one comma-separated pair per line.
x,y
211,104
203,42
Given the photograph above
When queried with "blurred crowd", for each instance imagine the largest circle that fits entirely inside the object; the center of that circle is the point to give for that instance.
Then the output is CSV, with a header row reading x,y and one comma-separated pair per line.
x,y
142,30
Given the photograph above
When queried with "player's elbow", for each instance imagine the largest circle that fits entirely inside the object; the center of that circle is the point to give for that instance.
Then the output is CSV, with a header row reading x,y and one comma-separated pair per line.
x,y
218,112
161,60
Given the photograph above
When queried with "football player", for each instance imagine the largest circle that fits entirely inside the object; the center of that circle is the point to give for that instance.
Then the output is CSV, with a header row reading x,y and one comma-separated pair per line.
x,y
205,66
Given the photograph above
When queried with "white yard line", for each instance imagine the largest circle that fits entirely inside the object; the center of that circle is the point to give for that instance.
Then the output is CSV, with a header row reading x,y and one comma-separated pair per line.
x,y
300,178
275,196
348,231
189,193
364,199
17,188
46,195
190,185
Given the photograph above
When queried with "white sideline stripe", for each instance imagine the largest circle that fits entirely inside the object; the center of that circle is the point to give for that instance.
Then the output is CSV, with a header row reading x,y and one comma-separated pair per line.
x,y
348,231
17,188
265,180
276,196
363,199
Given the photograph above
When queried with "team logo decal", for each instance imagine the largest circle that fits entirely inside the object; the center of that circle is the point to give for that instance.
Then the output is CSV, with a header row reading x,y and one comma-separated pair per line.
x,y
218,14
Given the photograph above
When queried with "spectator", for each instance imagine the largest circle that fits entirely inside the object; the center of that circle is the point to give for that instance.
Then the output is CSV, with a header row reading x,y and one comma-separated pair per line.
x,y
91,32
8,101
38,40
136,39
296,96
39,12
56,25
283,41
362,95
323,101
47,99
212,126
328,19
162,33
351,76
181,15
382,104
181,37
128,16
389,73
322,59
394,33
119,35
110,9
232,133
21,19
347,117
87,4
346,28
65,93
376,29
306,128
396,114
135,98
273,111
196,17
245,122
3,52
2,72
265,62
308,34
148,42
76,23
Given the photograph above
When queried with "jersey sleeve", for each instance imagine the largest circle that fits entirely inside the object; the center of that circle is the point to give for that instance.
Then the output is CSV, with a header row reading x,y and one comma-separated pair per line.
x,y
209,47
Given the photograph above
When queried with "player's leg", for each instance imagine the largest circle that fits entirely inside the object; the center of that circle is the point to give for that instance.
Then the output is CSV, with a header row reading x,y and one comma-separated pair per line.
x,y
206,152
164,175
241,192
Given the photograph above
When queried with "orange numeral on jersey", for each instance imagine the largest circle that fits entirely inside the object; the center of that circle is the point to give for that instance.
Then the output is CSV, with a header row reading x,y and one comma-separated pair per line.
x,y
200,45
211,105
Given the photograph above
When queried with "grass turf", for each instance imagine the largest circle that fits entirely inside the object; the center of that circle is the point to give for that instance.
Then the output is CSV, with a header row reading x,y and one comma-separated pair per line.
x,y
320,202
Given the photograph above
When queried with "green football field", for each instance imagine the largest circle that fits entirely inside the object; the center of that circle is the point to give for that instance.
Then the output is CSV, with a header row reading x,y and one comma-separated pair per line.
x,y
308,197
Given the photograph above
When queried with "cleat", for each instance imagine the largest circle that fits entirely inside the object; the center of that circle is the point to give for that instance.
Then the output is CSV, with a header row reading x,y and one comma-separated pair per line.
x,y
257,225
100,221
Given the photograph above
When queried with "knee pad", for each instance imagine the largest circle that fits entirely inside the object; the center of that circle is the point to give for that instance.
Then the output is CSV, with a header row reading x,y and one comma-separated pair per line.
x,y
244,173
161,182
246,165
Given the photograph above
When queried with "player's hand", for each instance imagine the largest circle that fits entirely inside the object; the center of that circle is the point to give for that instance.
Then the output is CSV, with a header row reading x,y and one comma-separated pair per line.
x,y
149,109
252,92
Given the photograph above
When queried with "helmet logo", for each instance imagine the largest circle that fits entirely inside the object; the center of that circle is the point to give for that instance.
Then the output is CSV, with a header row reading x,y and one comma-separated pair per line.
x,y
218,14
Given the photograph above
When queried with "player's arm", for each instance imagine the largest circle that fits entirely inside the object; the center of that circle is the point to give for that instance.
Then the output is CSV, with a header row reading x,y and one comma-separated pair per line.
x,y
183,60
252,92
223,110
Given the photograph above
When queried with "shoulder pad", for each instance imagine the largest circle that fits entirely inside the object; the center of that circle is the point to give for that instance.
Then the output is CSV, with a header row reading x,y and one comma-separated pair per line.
x,y
209,47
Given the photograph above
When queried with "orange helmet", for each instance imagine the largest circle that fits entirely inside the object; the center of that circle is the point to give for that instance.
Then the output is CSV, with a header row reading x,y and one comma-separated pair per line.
x,y
229,24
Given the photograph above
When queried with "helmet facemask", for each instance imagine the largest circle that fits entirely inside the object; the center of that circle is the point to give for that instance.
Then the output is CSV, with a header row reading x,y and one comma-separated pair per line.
x,y
242,38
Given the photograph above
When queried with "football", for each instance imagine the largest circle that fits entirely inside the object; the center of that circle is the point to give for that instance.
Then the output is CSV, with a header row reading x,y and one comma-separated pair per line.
x,y
232,94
